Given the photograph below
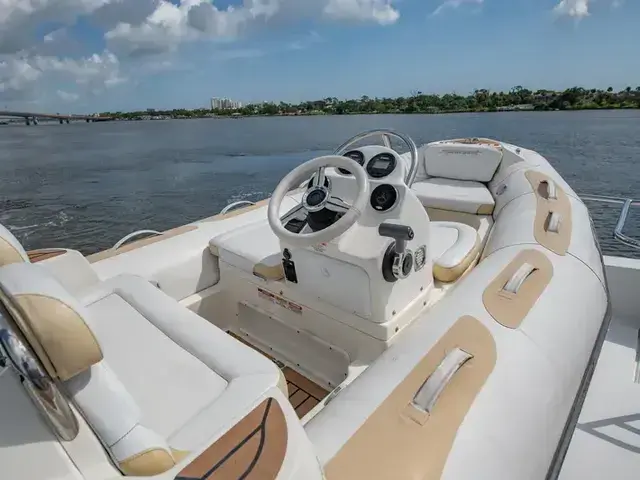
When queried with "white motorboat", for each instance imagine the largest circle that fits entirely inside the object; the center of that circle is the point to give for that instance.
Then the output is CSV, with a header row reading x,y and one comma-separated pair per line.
x,y
442,313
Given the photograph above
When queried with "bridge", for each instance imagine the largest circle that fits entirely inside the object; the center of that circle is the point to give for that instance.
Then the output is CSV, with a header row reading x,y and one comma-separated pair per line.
x,y
32,117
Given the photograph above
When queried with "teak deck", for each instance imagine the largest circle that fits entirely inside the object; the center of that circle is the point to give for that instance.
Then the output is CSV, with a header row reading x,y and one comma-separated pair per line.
x,y
304,394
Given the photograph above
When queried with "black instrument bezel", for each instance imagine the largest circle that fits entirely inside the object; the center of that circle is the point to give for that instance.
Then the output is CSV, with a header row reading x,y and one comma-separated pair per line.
x,y
388,171
360,160
373,203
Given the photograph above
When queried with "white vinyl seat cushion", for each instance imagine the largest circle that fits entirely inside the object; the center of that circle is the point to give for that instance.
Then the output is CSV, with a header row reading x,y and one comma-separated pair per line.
x,y
454,247
254,249
189,378
154,380
455,195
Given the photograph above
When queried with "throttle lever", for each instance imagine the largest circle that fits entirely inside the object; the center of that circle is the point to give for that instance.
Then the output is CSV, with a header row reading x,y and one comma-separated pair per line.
x,y
400,233
398,260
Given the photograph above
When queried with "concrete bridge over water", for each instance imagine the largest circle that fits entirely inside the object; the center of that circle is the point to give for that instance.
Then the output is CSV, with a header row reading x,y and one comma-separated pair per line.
x,y
32,117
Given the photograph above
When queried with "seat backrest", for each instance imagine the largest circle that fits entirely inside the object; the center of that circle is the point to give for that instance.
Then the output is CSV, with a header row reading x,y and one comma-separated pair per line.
x,y
54,325
474,159
11,250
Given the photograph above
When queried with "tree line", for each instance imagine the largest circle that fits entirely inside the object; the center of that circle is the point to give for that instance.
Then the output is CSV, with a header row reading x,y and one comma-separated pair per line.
x,y
482,100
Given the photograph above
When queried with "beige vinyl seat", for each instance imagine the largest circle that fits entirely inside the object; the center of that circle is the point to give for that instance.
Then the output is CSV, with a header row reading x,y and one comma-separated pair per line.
x,y
454,249
253,249
11,251
155,382
455,195
456,173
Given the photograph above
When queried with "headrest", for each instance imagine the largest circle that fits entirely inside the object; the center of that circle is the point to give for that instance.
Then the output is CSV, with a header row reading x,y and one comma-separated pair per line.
x,y
10,249
51,320
465,159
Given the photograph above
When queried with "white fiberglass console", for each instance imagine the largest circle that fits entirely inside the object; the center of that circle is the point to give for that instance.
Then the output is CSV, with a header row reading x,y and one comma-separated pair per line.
x,y
358,239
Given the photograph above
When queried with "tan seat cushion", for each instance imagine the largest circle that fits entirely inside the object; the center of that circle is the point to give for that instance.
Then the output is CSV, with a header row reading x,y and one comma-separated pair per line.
x,y
454,248
10,249
50,319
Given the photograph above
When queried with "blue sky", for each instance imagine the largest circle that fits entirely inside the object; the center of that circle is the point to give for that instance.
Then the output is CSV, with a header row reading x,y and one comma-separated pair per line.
x,y
89,55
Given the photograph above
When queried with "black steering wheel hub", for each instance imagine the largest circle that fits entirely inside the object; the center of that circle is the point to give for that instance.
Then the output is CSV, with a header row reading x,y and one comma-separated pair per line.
x,y
315,198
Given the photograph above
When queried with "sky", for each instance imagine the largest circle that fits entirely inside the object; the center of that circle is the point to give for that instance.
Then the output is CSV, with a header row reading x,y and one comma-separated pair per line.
x,y
109,55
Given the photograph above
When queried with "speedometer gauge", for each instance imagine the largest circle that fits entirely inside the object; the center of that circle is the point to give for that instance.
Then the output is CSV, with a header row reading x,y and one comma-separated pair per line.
x,y
355,155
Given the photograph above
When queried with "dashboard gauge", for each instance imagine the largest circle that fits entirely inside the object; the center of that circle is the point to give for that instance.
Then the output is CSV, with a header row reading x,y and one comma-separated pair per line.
x,y
384,198
355,155
381,165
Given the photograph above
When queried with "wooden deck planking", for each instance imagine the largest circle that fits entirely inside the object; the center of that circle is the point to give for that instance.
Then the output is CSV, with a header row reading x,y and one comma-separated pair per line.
x,y
304,394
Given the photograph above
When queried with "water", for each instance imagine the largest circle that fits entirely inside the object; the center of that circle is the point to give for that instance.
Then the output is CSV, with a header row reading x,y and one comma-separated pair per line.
x,y
85,186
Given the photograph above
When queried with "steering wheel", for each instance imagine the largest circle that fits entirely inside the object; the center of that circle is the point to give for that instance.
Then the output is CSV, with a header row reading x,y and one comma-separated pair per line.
x,y
317,197
385,134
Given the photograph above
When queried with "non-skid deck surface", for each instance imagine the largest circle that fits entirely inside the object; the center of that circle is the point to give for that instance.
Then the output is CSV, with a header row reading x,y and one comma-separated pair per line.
x,y
304,394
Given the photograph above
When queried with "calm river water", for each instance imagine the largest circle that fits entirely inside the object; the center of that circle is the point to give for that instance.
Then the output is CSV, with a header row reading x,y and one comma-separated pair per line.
x,y
85,186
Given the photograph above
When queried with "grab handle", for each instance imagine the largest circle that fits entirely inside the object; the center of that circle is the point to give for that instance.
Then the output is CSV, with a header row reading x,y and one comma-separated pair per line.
x,y
552,191
516,281
554,220
427,396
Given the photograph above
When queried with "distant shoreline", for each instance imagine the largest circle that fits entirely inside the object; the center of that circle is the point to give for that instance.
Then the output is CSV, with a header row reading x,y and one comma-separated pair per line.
x,y
451,112
480,101
147,118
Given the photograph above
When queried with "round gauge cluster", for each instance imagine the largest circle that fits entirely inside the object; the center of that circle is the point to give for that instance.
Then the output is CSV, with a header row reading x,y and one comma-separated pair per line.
x,y
384,198
381,165
355,155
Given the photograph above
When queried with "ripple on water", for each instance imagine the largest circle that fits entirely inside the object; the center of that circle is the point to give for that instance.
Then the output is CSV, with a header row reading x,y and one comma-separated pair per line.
x,y
85,186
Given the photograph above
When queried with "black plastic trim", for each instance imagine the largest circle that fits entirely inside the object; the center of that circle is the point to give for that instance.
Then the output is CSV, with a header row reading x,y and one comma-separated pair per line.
x,y
385,173
359,160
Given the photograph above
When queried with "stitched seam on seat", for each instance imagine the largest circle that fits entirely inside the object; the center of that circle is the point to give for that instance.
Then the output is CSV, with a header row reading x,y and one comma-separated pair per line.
x,y
234,420
131,430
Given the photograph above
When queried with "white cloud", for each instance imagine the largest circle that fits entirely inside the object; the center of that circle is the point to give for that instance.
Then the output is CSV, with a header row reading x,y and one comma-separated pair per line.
x,y
98,70
161,31
35,61
580,9
16,75
169,25
19,19
24,75
114,12
67,96
378,11
572,8
454,4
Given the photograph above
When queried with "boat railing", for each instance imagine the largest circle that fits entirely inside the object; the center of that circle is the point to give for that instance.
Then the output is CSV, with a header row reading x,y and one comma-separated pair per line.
x,y
234,205
626,204
129,237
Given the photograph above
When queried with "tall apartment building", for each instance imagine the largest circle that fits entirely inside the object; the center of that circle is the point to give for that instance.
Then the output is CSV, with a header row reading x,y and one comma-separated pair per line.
x,y
224,104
